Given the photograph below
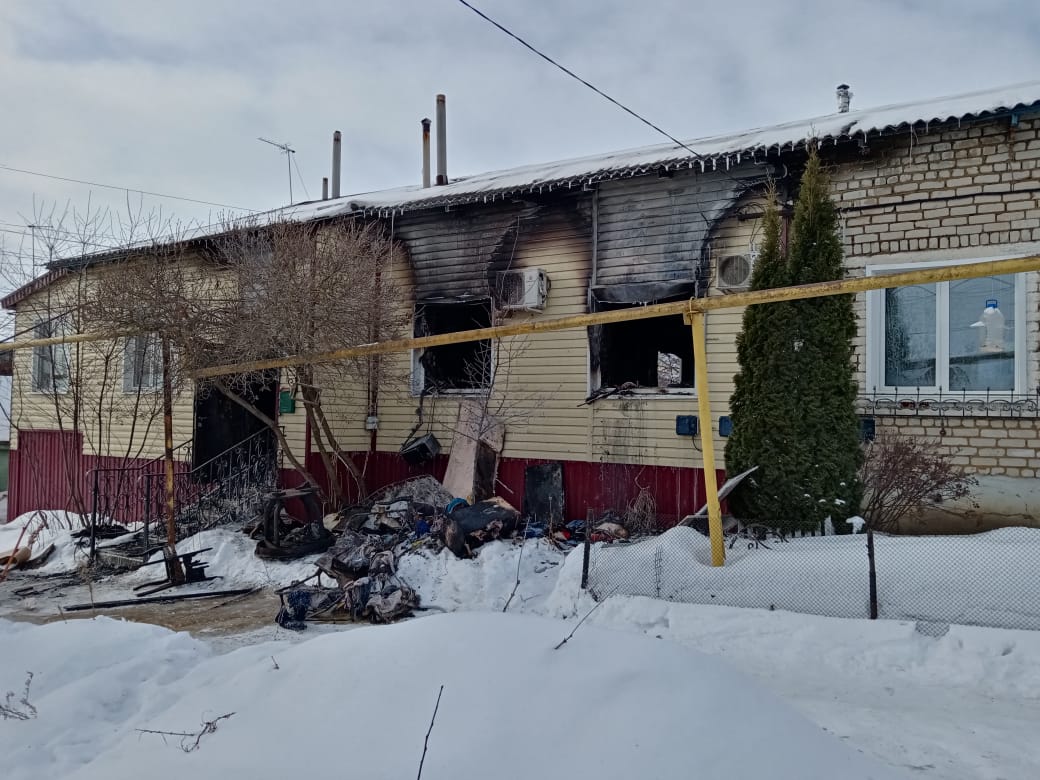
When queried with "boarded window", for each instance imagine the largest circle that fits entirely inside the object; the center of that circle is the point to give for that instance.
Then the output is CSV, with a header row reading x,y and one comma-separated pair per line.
x,y
453,367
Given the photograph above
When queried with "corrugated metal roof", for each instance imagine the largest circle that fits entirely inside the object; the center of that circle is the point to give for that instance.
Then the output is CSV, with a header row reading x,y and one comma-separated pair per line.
x,y
723,151
715,152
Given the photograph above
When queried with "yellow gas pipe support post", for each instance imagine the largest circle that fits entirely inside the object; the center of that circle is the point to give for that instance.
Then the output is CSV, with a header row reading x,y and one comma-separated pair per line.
x,y
700,367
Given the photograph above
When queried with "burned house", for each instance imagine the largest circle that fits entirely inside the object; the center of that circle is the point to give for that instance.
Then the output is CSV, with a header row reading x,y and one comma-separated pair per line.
x,y
935,182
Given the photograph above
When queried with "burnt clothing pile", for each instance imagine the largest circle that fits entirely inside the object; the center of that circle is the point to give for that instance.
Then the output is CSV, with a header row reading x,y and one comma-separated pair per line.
x,y
369,540
363,563
468,527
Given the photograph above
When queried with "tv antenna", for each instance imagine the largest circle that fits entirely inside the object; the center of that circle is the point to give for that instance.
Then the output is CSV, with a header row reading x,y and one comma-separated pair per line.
x,y
289,152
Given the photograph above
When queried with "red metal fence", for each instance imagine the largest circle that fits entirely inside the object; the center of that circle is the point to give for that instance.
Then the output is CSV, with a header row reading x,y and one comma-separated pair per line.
x,y
50,471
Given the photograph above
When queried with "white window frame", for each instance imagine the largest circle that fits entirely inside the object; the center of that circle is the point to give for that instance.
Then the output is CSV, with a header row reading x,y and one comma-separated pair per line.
x,y
55,353
130,386
875,331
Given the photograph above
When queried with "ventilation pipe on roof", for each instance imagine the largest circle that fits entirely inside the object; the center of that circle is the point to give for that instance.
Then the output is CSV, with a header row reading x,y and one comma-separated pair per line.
x,y
324,187
336,162
844,98
442,142
426,153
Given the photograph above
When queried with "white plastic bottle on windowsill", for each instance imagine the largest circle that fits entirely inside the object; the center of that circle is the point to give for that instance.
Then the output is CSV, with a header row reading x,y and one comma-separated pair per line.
x,y
992,322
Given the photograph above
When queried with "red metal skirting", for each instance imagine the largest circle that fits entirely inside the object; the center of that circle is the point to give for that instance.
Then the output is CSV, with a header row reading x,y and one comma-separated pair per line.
x,y
678,491
49,471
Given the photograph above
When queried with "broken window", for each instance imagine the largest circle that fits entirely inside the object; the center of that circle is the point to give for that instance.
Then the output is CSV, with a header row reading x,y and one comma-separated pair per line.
x,y
653,353
452,367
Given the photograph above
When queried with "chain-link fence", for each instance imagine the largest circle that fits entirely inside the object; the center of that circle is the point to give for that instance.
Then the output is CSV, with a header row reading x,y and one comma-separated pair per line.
x,y
987,579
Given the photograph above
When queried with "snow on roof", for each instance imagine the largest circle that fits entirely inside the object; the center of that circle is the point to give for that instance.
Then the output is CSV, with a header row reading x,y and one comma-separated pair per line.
x,y
722,151
715,152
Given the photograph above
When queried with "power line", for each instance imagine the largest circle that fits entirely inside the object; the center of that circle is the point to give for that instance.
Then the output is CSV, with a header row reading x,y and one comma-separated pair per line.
x,y
578,78
48,228
64,240
124,189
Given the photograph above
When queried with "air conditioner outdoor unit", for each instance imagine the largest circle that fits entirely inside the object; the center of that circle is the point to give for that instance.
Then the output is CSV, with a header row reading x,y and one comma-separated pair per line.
x,y
523,290
734,272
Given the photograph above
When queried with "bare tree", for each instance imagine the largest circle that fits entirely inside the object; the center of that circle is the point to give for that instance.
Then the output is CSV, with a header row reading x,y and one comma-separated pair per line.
x,y
265,291
306,289
82,388
903,476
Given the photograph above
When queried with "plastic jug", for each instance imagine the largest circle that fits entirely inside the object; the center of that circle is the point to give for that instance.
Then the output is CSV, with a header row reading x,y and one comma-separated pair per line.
x,y
992,321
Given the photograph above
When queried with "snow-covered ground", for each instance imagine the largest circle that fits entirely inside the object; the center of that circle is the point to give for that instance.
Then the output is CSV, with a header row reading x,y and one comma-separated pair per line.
x,y
49,527
981,579
358,704
961,705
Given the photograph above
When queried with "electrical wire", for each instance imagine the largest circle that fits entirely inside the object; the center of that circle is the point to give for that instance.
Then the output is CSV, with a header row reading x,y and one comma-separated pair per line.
x,y
83,242
594,88
300,177
124,189
47,228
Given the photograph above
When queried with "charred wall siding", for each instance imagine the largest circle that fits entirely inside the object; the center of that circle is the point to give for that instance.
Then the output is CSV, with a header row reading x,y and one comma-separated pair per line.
x,y
451,251
649,229
653,229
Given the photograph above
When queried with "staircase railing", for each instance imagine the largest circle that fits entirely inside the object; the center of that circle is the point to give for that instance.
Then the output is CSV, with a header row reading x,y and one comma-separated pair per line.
x,y
118,495
221,490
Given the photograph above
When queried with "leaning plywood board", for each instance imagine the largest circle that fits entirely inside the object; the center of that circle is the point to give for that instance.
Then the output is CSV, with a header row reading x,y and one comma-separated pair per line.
x,y
472,467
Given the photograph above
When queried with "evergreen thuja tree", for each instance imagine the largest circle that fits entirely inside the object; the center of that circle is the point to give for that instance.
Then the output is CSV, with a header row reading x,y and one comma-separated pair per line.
x,y
829,483
793,406
763,409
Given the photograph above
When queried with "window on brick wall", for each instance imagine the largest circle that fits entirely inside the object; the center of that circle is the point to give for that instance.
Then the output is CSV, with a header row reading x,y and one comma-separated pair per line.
x,y
958,337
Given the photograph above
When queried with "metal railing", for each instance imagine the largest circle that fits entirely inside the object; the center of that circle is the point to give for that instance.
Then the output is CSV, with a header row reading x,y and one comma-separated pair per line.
x,y
216,492
117,494
910,401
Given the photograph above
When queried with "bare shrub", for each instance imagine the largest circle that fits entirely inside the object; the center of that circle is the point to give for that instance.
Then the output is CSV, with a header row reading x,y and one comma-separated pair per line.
x,y
904,475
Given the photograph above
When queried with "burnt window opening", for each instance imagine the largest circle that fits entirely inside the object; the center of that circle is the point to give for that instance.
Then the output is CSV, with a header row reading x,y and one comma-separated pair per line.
x,y
453,367
653,353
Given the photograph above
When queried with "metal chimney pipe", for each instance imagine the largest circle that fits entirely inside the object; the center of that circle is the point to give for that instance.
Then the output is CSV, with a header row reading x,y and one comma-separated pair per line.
x,y
844,98
442,142
324,187
336,161
426,153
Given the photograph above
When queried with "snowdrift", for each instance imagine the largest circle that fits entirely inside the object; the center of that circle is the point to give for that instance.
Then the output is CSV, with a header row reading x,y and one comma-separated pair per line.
x,y
358,704
984,579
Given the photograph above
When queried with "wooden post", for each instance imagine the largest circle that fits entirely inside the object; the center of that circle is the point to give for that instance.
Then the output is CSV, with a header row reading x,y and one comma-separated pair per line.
x,y
711,485
173,563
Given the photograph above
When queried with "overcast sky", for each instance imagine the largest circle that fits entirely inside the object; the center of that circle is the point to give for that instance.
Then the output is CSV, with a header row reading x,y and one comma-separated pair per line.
x,y
171,96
